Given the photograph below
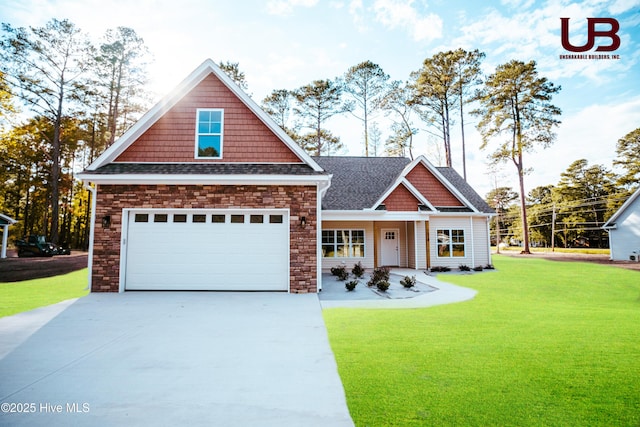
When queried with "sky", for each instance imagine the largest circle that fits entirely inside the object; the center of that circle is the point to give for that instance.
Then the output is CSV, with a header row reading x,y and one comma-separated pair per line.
x,y
285,44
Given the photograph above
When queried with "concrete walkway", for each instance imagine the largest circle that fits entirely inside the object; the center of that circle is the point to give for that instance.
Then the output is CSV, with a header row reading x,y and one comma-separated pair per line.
x,y
428,292
171,358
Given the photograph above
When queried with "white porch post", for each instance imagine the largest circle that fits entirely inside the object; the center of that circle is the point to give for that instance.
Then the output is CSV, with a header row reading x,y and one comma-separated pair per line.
x,y
5,235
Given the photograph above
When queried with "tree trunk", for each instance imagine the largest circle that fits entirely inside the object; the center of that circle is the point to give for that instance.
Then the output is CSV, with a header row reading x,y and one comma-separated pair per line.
x,y
523,208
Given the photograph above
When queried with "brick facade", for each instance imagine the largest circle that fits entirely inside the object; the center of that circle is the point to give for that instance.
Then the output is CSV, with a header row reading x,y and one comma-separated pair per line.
x,y
300,200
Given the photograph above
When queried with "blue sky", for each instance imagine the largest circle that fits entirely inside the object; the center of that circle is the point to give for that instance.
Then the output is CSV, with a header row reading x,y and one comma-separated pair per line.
x,y
284,44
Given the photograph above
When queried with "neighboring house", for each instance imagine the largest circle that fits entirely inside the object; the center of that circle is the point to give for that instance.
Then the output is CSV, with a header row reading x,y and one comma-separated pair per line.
x,y
5,222
206,192
624,230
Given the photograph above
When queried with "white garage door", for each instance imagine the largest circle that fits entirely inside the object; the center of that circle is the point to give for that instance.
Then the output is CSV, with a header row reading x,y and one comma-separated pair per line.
x,y
246,250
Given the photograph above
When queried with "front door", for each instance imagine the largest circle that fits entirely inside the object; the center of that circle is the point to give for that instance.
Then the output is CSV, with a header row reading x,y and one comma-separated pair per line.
x,y
390,254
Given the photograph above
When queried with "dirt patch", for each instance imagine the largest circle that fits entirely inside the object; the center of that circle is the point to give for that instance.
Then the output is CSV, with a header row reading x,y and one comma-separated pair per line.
x,y
577,257
14,269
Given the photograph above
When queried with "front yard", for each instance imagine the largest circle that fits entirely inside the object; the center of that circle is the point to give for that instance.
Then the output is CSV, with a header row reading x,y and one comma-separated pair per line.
x,y
543,343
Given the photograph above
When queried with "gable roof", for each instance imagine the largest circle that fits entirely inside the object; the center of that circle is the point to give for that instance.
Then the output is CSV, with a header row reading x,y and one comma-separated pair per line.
x,y
358,182
363,183
161,108
612,221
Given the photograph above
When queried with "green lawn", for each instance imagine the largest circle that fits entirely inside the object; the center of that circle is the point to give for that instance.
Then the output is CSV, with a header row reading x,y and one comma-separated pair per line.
x,y
543,344
17,297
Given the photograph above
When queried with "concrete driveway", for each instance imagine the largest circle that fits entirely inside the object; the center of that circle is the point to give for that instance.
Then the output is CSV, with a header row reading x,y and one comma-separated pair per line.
x,y
171,358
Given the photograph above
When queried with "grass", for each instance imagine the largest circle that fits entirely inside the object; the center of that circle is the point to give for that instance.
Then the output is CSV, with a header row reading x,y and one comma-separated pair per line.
x,y
543,344
17,297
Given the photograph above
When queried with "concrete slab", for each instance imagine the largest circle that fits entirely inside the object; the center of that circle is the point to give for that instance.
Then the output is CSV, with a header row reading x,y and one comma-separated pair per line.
x,y
174,358
429,292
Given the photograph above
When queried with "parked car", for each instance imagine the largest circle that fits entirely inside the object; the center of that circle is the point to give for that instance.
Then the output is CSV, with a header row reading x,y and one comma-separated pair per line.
x,y
34,245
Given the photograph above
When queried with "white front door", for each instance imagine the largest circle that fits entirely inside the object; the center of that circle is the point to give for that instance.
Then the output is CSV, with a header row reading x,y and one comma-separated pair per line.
x,y
390,255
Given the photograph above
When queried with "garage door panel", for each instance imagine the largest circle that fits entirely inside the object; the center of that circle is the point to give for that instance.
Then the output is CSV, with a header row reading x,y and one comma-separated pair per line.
x,y
209,255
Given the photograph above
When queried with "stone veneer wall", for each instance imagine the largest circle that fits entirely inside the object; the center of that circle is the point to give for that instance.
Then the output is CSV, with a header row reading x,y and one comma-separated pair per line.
x,y
300,200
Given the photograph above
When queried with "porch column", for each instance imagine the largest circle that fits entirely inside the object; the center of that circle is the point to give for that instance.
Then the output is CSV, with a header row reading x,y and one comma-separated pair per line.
x,y
5,235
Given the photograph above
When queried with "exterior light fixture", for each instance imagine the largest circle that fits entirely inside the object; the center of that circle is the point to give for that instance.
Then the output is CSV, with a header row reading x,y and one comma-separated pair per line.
x,y
106,221
303,221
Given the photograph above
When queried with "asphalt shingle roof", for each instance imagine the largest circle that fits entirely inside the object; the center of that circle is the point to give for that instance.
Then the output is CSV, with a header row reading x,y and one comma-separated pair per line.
x,y
206,169
358,182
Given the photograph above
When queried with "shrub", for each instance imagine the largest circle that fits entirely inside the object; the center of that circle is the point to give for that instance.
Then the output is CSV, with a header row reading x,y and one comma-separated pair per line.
x,y
379,274
463,267
440,269
351,285
340,272
478,268
358,270
408,282
489,267
383,285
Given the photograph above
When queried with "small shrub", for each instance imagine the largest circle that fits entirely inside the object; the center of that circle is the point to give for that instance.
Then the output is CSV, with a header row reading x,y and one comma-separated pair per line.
x,y
463,267
478,268
351,285
379,274
489,267
408,282
340,272
383,285
440,269
358,270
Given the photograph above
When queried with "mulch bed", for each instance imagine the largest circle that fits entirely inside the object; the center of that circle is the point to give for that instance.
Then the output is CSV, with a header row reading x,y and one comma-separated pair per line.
x,y
14,269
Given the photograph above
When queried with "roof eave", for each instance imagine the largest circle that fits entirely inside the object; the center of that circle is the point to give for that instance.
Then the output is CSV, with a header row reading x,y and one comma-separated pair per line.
x,y
200,179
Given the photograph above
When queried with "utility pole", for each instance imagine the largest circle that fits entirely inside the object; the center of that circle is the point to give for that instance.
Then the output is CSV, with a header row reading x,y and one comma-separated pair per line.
x,y
553,229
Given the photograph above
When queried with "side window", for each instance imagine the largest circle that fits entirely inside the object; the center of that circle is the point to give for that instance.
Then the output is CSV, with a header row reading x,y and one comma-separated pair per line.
x,y
209,133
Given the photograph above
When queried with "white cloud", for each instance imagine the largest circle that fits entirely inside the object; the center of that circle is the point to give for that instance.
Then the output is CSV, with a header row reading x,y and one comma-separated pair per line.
x,y
285,7
401,14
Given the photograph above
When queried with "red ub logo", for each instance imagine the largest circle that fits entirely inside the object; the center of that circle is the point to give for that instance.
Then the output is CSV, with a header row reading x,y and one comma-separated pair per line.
x,y
592,33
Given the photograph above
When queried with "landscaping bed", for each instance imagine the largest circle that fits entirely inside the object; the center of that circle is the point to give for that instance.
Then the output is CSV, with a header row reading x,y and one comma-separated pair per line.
x,y
14,269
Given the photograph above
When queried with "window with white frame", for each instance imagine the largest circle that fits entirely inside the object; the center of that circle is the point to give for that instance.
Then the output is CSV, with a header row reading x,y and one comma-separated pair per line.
x,y
343,243
451,243
209,133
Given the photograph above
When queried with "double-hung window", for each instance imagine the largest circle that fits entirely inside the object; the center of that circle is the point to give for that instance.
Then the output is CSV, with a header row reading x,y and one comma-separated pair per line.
x,y
343,243
209,133
451,243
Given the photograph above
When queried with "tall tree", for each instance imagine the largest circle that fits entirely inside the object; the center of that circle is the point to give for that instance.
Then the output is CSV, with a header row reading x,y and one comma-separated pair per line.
x,y
121,69
628,151
435,89
515,107
468,72
45,66
316,103
367,85
583,192
232,69
279,105
500,199
397,103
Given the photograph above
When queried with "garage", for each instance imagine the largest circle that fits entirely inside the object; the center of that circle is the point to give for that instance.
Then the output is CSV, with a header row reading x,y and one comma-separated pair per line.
x,y
221,250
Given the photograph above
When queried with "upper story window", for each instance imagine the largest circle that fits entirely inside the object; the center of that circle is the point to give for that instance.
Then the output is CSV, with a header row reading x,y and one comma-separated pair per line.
x,y
209,133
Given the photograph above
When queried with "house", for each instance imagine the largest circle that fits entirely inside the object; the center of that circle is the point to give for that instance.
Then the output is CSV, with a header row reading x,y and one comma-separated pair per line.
x,y
5,222
624,230
206,192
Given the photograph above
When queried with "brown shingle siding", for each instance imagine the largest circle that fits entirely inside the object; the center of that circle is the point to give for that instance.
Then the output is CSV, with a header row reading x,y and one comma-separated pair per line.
x,y
431,188
246,137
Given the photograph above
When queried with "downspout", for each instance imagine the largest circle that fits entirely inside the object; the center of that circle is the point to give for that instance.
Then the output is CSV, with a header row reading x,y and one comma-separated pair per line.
x,y
323,186
489,240
473,246
91,231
